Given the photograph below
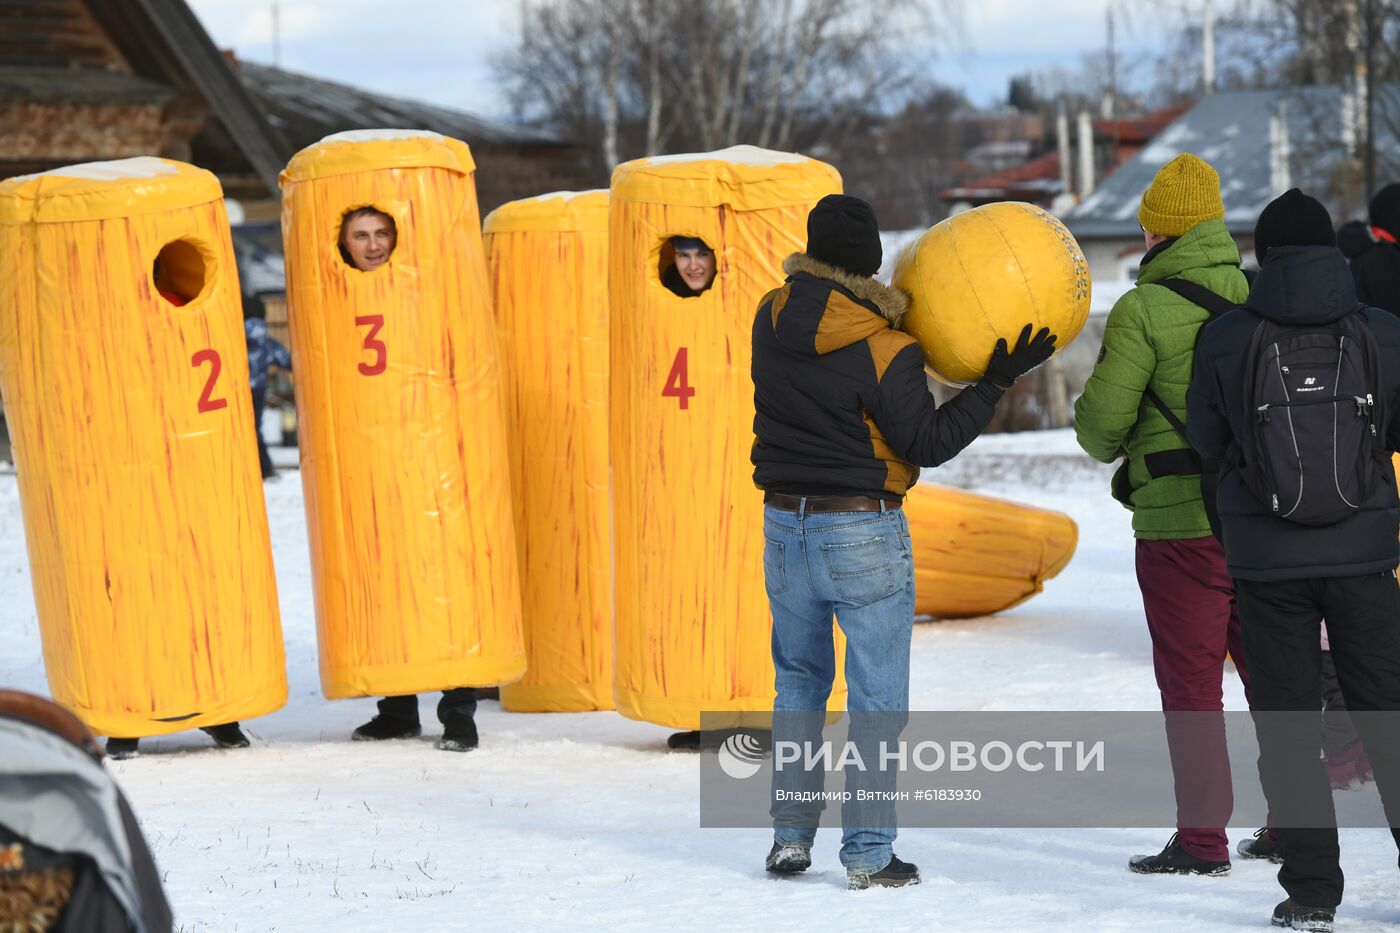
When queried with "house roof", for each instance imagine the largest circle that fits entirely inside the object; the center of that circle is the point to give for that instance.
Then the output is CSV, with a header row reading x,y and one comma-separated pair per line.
x,y
1039,177
1233,132
1138,130
305,110
163,41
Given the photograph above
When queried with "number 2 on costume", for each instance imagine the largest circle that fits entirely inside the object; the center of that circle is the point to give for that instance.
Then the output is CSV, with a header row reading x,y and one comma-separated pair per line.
x,y
216,366
678,382
372,342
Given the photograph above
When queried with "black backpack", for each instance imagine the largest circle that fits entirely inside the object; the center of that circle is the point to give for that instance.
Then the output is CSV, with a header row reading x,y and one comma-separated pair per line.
x,y
1312,448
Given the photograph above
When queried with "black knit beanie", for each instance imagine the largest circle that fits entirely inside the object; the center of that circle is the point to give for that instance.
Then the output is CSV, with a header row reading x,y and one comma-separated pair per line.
x,y
1293,219
842,231
1385,209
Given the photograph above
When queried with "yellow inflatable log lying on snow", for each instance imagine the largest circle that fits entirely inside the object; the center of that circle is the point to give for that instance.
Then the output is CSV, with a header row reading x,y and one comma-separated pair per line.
x,y
692,613
128,403
548,261
975,555
403,446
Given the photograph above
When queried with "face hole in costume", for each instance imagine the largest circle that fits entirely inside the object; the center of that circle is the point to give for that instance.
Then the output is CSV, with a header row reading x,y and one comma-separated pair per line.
x,y
178,272
686,266
367,237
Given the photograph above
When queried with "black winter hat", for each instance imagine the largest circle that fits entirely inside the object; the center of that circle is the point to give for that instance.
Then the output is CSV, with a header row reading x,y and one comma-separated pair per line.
x,y
1385,209
842,231
1293,219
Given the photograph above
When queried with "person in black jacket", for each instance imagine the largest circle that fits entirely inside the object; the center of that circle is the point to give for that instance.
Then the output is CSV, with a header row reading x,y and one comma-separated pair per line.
x,y
843,417
1289,576
1374,253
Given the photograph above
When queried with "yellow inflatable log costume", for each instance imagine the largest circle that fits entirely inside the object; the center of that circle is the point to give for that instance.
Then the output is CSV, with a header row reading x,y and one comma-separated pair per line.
x,y
984,274
692,615
548,261
403,440
975,555
125,379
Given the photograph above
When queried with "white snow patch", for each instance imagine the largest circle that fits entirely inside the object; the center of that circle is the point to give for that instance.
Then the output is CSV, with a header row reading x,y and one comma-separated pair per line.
x,y
736,155
588,817
562,195
113,170
367,136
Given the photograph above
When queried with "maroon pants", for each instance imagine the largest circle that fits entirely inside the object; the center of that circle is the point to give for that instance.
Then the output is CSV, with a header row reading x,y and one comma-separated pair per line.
x,y
1189,599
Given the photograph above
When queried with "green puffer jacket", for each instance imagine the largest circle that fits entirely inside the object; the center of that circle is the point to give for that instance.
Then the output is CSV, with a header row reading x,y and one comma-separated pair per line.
x,y
1148,340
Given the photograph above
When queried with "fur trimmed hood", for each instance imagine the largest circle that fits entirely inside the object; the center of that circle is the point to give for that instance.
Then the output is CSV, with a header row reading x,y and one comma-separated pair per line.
x,y
891,302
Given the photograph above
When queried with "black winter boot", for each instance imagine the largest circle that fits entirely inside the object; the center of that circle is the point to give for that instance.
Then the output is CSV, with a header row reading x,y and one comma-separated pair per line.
x,y
122,749
1175,860
1262,845
788,859
458,734
387,727
229,735
894,875
1295,916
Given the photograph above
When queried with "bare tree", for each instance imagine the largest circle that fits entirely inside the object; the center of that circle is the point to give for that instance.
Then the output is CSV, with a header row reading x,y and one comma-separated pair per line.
x,y
636,77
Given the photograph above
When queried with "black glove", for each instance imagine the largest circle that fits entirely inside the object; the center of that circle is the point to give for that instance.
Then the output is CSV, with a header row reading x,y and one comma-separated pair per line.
x,y
1008,366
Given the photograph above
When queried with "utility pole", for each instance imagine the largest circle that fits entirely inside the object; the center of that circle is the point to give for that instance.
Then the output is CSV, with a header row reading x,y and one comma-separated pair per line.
x,y
1208,50
1111,103
276,36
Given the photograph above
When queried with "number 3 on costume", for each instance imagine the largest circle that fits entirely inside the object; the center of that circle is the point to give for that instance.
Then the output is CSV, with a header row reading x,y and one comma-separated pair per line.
x,y
678,382
372,342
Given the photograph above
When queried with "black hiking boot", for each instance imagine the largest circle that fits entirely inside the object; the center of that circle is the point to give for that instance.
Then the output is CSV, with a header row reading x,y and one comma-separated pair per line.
x,y
387,727
894,875
789,859
1295,916
1262,845
685,741
458,734
122,749
1175,860
227,736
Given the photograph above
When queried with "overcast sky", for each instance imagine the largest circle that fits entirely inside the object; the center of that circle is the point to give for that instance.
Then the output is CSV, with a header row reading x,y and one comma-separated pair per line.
x,y
440,50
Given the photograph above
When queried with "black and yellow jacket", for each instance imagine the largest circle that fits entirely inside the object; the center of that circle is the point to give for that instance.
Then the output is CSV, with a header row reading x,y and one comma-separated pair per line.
x,y
841,402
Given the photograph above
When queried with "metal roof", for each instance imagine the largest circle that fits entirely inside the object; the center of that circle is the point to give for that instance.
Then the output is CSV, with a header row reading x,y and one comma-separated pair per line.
x,y
306,109
1235,132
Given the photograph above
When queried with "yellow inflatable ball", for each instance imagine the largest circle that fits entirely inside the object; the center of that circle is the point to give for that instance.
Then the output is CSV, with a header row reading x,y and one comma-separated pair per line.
x,y
985,274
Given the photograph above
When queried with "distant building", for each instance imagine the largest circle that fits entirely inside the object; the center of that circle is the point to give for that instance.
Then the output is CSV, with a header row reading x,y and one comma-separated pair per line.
x,y
1041,180
89,80
1261,142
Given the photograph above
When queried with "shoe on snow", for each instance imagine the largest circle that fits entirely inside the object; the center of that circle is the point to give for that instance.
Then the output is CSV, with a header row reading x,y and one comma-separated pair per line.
x,y
387,727
1175,860
788,859
686,741
1295,916
1261,845
227,736
896,874
122,749
458,734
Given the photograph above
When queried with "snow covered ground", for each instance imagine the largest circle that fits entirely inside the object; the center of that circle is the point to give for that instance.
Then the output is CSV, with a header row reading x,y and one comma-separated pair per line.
x,y
587,821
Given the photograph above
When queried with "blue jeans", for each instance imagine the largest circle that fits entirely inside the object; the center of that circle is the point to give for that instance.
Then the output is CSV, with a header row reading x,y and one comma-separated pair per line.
x,y
860,566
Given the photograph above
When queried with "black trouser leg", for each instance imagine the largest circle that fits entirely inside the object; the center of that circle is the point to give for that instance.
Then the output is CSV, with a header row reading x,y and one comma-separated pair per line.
x,y
259,401
1365,642
1282,624
457,701
405,707
1338,733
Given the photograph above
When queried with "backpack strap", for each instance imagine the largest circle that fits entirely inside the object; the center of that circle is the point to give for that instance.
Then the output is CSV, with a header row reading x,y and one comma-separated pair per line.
x,y
1214,305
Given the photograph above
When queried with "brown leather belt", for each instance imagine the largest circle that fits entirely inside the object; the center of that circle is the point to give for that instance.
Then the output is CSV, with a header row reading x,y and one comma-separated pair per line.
x,y
788,503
